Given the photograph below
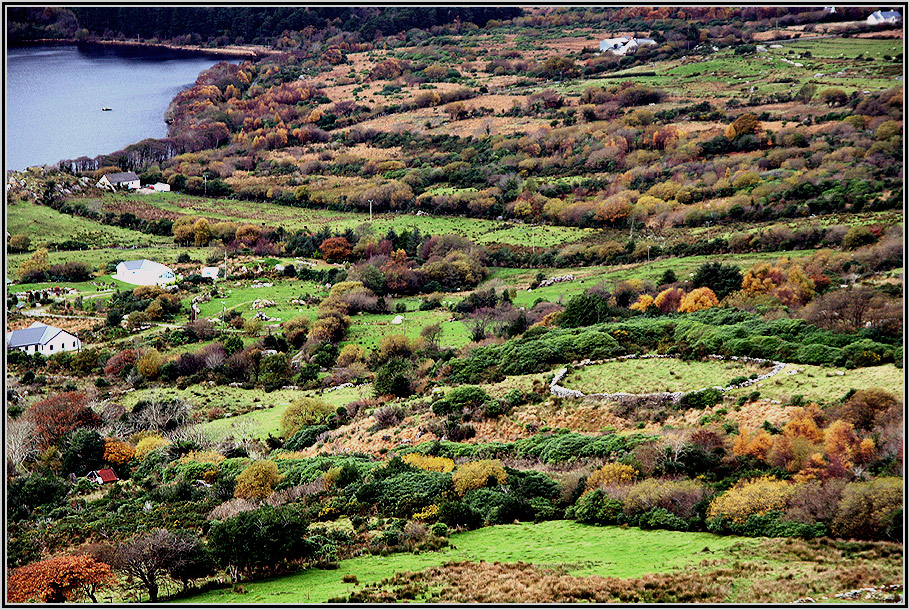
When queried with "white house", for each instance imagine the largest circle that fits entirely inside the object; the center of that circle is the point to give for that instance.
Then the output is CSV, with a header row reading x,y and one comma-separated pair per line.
x,y
42,339
624,44
144,273
211,272
880,17
128,180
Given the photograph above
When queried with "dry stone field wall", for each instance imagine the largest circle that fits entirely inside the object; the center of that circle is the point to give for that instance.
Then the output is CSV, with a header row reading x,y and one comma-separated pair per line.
x,y
674,397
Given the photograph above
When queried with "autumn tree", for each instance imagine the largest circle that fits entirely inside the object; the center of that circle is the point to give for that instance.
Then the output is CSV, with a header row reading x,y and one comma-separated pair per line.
x,y
257,481
335,249
744,124
59,415
833,96
20,242
699,298
861,408
643,302
668,300
184,230
36,265
750,497
871,509
841,442
202,232
118,452
59,579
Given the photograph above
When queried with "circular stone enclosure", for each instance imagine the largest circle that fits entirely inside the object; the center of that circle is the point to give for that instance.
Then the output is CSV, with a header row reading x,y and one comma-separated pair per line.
x,y
653,375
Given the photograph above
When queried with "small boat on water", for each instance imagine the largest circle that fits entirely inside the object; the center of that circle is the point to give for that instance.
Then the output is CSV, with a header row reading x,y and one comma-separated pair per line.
x,y
105,109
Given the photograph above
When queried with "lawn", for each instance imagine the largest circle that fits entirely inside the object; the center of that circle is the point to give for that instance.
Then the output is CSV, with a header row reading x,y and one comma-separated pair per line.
x,y
657,375
584,549
239,295
825,384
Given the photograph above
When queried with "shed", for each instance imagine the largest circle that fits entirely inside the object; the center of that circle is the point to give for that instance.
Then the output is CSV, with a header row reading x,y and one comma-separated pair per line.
x,y
161,187
144,272
105,475
211,272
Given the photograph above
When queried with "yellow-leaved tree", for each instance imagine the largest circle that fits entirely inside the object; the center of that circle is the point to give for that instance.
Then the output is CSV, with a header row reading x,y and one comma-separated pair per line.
x,y
750,497
257,481
475,475
699,298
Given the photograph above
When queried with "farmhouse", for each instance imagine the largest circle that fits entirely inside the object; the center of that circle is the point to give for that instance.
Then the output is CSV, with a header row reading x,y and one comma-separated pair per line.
x,y
128,180
624,44
42,339
144,273
881,17
105,475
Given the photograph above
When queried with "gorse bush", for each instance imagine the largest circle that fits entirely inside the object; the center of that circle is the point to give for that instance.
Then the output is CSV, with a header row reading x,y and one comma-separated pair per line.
x,y
474,475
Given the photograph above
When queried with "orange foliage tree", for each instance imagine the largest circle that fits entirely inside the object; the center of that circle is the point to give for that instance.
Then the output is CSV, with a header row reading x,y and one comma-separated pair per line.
x,y
644,301
700,298
335,249
59,579
118,452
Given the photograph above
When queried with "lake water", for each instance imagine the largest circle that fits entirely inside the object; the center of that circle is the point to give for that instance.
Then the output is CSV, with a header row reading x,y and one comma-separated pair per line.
x,y
54,97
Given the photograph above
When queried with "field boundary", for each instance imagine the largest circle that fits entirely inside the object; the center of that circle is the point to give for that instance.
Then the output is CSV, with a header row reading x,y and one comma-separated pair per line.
x,y
674,397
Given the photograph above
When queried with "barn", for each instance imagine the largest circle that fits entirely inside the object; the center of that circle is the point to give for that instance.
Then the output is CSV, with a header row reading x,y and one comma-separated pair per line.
x,y
144,272
42,339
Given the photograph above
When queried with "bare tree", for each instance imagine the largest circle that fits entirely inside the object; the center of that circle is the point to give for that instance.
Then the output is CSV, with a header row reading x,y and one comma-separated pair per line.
x,y
21,441
149,558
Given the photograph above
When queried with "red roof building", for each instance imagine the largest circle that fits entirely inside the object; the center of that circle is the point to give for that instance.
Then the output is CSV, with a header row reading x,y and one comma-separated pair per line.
x,y
105,475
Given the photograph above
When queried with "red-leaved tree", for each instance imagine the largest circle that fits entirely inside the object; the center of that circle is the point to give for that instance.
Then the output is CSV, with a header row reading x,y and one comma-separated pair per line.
x,y
59,579
60,414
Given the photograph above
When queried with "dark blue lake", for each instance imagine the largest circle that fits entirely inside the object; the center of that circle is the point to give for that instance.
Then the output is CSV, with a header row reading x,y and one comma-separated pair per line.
x,y
54,96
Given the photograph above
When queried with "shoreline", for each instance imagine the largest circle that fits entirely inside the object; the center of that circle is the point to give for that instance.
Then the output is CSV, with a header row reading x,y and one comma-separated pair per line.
x,y
246,52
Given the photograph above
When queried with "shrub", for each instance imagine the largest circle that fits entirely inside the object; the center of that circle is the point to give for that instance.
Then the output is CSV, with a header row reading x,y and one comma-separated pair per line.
x,y
118,452
869,509
750,497
701,399
304,412
596,508
388,416
680,498
257,481
661,518
474,475
149,444
425,462
612,474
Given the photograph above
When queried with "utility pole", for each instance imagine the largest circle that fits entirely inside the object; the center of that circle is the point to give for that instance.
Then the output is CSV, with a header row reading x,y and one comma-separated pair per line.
x,y
225,263
205,183
371,211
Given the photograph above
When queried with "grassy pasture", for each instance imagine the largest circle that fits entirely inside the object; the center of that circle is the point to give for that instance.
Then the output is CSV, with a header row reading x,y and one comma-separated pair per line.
x,y
239,296
657,375
41,223
823,384
102,256
293,218
584,549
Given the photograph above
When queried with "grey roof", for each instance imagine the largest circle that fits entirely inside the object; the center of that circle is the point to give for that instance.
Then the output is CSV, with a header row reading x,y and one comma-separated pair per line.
x,y
144,263
36,334
122,177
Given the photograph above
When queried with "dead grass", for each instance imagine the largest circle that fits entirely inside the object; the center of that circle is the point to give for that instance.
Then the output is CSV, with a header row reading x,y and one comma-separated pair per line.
x,y
772,571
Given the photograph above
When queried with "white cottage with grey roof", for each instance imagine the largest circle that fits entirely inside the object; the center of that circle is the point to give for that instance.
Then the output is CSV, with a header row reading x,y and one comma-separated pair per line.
x,y
144,273
127,180
42,339
880,17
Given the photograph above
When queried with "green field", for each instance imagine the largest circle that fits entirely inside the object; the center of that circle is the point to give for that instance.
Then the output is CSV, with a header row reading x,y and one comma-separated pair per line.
x,y
584,549
657,375
293,219
41,223
824,385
